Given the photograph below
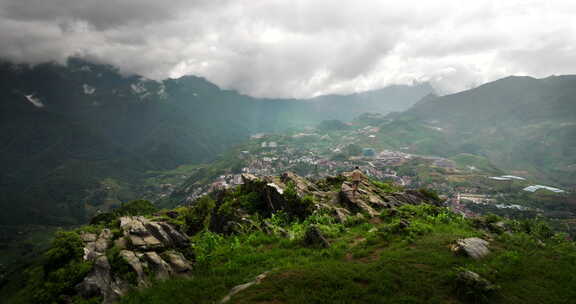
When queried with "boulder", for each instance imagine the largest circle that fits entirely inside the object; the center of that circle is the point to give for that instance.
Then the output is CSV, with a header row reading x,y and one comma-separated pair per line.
x,y
315,238
475,248
134,225
471,283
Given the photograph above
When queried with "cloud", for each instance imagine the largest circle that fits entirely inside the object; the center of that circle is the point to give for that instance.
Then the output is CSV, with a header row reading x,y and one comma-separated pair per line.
x,y
300,48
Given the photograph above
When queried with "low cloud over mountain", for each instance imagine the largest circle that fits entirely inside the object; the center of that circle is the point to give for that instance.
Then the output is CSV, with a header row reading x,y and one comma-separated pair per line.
x,y
302,48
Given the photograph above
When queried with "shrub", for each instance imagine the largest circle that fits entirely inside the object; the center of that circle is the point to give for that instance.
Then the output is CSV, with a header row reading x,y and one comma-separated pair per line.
x,y
297,208
61,271
429,194
197,217
387,187
67,246
138,207
205,244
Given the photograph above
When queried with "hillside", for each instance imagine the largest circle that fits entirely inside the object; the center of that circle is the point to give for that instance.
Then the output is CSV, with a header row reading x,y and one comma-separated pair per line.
x,y
80,138
290,240
518,123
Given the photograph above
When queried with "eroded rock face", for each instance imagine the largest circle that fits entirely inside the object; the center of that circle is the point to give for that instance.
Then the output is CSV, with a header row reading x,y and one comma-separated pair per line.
x,y
161,269
180,265
99,282
96,245
150,249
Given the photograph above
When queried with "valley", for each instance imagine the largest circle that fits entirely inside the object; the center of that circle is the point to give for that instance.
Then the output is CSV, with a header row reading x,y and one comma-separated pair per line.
x,y
171,144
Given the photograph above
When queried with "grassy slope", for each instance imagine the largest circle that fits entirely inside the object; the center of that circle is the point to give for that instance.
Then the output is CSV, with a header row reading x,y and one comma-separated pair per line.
x,y
366,265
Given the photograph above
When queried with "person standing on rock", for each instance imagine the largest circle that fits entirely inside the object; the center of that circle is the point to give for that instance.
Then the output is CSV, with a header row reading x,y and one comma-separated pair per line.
x,y
356,179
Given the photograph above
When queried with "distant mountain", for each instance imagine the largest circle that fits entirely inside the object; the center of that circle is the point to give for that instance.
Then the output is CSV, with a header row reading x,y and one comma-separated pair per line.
x,y
518,123
81,136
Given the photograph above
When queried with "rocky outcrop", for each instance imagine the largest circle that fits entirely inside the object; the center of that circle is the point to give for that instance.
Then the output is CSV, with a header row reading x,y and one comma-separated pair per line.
x,y
96,245
335,194
141,250
357,201
99,283
150,249
475,248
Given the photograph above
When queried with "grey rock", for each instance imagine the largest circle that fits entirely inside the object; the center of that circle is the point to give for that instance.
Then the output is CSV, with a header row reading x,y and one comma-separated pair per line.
x,y
158,232
162,270
147,242
105,234
178,262
355,201
242,287
179,239
90,253
101,245
475,248
99,283
134,262
472,282
134,225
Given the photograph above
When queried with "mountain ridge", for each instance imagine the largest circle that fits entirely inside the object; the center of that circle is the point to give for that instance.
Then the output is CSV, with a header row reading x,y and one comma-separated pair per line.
x,y
86,127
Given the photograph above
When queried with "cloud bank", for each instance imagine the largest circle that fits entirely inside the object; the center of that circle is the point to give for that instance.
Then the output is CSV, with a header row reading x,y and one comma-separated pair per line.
x,y
300,48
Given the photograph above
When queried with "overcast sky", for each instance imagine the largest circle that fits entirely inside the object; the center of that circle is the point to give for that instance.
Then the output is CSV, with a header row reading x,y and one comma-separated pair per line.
x,y
301,48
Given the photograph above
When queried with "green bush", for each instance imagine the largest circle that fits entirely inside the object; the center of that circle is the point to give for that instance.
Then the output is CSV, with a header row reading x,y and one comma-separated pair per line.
x,y
297,208
62,269
137,207
429,194
197,217
206,243
67,246
387,187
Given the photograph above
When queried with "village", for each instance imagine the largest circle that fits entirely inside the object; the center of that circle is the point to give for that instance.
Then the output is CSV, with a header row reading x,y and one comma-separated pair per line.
x,y
315,155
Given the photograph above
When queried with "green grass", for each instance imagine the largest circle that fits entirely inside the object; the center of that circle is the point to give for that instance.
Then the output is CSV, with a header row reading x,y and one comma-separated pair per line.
x,y
367,265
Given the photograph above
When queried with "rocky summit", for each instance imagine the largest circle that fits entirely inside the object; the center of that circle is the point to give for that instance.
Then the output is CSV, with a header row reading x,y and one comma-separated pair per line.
x,y
289,239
